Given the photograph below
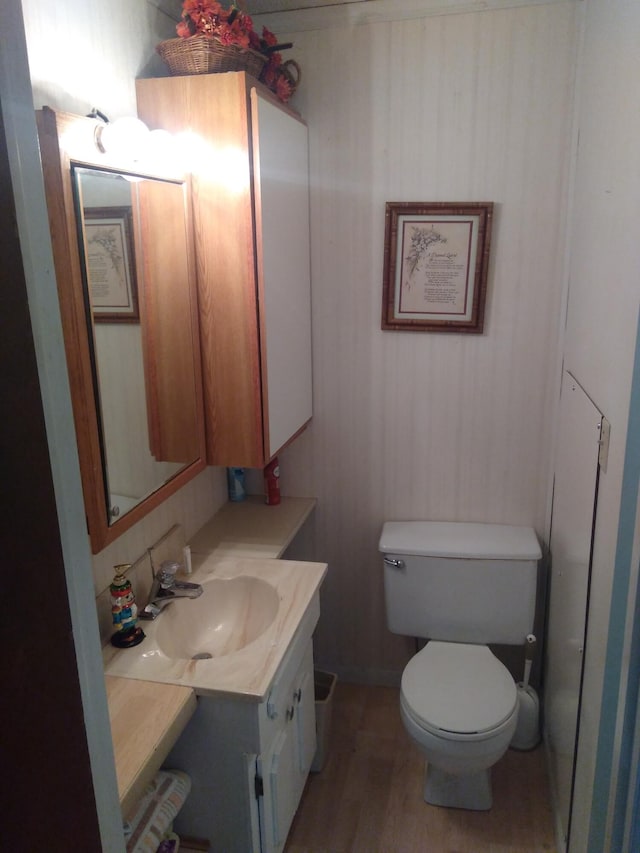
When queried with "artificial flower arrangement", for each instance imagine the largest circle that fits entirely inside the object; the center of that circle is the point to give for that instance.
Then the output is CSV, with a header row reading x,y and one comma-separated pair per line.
x,y
232,26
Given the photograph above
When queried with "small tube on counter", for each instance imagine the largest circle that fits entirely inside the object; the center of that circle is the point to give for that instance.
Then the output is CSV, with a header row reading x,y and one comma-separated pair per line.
x,y
186,559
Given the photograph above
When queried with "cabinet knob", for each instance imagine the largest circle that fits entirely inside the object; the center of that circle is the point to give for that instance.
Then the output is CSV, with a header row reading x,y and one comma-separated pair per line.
x,y
298,694
290,712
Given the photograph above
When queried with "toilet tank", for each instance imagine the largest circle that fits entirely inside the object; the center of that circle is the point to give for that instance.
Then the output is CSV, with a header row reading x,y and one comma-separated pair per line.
x,y
460,582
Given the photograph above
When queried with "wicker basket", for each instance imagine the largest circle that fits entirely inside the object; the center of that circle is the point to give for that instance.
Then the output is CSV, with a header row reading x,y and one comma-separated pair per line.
x,y
292,72
202,55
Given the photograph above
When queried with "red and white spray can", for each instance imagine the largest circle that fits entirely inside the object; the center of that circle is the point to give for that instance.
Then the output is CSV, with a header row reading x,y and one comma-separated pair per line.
x,y
272,482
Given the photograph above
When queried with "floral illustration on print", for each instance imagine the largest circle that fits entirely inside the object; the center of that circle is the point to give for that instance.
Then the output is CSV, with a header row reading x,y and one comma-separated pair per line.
x,y
105,238
421,241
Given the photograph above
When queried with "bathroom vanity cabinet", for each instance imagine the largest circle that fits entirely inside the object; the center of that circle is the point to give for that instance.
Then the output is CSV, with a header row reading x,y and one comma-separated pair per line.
x,y
249,761
249,163
250,742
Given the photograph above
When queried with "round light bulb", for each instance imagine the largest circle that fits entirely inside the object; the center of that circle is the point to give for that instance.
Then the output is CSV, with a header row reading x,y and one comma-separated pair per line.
x,y
126,136
161,148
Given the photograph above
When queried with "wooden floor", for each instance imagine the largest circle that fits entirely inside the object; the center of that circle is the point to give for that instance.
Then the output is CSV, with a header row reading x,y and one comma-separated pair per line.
x,y
368,797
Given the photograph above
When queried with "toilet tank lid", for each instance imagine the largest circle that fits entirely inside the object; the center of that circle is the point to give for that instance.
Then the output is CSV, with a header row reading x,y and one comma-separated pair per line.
x,y
460,539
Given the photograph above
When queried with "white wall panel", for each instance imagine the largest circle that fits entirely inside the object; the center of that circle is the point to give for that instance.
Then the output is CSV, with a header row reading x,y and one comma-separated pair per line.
x,y
574,505
87,53
462,107
604,299
467,107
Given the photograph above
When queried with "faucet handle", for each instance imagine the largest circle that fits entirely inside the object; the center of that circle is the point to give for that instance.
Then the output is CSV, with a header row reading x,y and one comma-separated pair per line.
x,y
166,573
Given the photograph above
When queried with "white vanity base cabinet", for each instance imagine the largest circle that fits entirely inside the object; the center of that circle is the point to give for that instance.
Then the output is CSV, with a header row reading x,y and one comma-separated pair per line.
x,y
249,761
289,745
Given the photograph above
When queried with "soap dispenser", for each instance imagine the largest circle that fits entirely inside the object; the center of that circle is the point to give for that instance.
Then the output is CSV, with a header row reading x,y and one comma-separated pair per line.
x,y
124,611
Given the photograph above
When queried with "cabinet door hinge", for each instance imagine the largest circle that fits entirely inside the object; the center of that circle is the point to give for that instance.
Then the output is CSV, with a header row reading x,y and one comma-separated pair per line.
x,y
259,786
604,428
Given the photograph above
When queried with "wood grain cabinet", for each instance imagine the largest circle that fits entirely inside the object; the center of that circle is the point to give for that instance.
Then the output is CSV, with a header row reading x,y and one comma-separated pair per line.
x,y
249,160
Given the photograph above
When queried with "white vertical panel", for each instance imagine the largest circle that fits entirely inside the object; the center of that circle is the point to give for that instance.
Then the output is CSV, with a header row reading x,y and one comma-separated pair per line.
x,y
601,330
132,470
284,197
466,107
574,500
26,191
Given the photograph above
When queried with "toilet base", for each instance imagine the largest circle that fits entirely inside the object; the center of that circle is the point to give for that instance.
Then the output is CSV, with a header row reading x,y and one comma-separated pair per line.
x,y
471,792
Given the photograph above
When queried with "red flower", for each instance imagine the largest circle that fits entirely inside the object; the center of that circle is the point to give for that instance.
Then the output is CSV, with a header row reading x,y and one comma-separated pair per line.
x,y
283,88
210,18
231,26
270,71
268,38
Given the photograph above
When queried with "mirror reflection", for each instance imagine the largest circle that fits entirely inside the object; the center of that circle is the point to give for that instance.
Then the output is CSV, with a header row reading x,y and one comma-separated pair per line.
x,y
140,321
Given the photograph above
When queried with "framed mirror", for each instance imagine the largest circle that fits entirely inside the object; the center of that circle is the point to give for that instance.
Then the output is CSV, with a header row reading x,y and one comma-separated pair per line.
x,y
124,257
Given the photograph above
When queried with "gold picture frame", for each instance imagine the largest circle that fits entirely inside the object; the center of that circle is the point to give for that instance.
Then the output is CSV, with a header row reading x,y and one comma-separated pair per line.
x,y
436,262
111,268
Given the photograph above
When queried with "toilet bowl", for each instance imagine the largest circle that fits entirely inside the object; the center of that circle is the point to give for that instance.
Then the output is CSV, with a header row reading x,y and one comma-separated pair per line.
x,y
460,706
461,586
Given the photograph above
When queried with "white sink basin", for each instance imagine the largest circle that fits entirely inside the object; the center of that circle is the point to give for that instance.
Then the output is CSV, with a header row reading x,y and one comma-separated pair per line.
x,y
231,640
230,614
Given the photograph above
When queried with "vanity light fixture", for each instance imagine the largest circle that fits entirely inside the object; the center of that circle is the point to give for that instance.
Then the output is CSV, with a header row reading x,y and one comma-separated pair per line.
x,y
162,147
129,138
125,137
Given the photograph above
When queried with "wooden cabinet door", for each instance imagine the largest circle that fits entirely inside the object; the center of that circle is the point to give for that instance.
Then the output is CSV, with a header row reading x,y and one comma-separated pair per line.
x,y
284,785
251,223
281,171
305,718
285,763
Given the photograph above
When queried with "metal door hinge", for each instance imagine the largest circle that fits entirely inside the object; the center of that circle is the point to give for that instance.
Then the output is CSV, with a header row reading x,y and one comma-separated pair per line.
x,y
272,711
604,428
258,786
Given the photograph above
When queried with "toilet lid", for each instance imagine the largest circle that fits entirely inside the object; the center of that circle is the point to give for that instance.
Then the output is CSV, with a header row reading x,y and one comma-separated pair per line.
x,y
458,688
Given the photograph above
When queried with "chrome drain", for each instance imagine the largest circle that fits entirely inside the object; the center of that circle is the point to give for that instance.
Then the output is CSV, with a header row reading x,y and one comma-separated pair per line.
x,y
202,656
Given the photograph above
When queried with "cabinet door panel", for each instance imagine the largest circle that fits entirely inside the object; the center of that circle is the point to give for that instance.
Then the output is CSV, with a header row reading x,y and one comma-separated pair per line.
x,y
251,222
573,519
285,784
282,218
306,718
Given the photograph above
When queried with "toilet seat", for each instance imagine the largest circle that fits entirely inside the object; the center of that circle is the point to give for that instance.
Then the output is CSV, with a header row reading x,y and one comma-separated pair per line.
x,y
458,691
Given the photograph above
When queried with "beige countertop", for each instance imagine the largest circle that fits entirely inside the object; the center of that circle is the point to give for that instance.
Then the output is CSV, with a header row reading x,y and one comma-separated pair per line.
x,y
150,698
146,720
246,673
250,528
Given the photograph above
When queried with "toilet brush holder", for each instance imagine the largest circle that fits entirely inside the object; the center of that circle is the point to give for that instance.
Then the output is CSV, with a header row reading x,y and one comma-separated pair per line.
x,y
527,734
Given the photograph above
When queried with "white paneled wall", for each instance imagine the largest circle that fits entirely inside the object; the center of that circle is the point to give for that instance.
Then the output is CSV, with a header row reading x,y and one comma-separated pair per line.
x,y
87,53
465,107
604,300
471,106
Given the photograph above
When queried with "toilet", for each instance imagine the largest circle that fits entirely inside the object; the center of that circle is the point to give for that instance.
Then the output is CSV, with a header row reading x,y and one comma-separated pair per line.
x,y
460,586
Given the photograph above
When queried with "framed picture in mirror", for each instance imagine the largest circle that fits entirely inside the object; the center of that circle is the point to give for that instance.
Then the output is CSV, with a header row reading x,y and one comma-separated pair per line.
x,y
111,268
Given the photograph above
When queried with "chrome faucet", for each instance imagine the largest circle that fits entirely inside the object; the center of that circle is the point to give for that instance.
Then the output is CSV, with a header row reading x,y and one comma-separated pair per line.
x,y
165,589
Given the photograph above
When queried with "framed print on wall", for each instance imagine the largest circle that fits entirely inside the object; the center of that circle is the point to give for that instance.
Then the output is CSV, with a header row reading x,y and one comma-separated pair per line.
x,y
111,269
436,260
